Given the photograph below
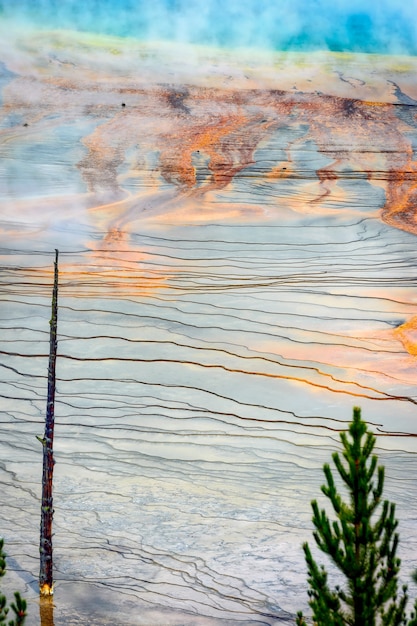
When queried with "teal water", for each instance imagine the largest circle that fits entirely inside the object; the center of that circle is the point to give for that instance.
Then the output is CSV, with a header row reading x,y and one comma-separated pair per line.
x,y
385,26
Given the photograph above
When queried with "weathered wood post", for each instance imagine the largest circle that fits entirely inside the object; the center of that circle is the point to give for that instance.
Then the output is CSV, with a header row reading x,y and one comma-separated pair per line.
x,y
47,511
46,610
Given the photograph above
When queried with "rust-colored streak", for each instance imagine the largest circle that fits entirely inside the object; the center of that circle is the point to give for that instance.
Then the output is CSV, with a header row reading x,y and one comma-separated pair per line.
x,y
210,139
400,209
326,176
99,167
225,127
148,138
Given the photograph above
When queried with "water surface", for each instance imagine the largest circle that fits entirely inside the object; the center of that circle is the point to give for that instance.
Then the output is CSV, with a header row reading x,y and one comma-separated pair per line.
x,y
237,271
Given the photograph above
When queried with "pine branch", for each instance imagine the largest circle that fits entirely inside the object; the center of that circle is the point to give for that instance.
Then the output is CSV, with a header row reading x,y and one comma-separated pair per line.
x,y
18,606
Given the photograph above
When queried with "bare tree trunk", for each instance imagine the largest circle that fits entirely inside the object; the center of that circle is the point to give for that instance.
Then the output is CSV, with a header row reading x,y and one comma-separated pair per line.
x,y
47,511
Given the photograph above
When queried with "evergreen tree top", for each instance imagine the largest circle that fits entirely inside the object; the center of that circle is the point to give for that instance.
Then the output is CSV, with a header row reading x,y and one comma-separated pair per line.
x,y
362,542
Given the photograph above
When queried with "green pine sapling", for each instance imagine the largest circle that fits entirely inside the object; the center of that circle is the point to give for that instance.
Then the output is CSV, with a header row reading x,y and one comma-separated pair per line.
x,y
18,606
362,543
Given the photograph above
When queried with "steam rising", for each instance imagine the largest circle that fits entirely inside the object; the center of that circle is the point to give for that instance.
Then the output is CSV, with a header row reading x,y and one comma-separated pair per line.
x,y
385,26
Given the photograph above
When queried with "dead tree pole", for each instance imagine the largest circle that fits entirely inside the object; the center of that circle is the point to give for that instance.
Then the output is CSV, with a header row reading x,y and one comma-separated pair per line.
x,y
47,511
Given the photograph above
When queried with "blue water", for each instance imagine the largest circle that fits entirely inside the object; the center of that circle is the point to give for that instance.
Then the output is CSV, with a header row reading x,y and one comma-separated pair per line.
x,y
383,26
